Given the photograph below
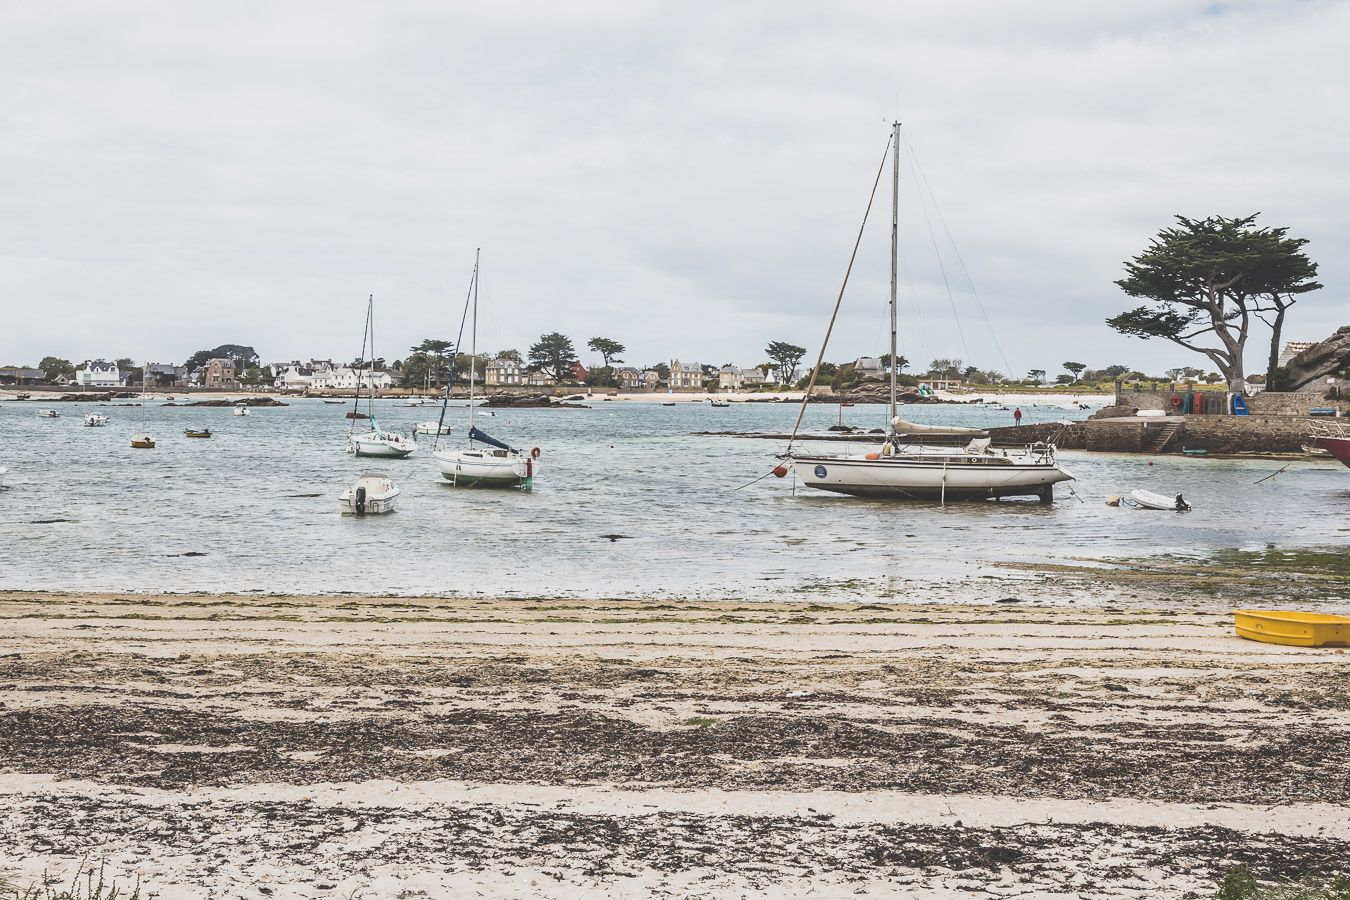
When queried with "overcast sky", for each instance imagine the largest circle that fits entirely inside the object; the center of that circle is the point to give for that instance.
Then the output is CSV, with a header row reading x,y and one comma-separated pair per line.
x,y
684,178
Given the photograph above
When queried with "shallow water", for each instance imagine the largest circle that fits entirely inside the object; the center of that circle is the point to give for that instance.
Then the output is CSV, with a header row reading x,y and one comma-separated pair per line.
x,y
256,507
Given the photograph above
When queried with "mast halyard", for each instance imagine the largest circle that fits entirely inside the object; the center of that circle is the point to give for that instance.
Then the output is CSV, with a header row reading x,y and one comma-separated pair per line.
x,y
895,255
365,336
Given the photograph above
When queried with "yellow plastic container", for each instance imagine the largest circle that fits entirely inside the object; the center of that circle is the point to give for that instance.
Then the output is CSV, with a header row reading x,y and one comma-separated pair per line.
x,y
1295,629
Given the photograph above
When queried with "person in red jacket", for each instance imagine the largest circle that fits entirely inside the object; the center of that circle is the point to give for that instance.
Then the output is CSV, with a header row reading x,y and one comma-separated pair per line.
x,y
1017,416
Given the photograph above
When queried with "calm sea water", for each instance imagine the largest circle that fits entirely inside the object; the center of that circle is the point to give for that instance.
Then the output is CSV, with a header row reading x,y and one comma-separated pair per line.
x,y
255,509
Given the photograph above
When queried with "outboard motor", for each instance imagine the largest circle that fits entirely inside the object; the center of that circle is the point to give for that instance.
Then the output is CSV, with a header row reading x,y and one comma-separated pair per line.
x,y
1182,505
361,500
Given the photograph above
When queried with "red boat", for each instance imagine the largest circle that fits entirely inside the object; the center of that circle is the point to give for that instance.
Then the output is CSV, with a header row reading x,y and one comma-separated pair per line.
x,y
1333,438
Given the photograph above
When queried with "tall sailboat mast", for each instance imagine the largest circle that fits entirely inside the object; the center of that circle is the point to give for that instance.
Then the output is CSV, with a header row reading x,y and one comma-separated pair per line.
x,y
473,342
895,258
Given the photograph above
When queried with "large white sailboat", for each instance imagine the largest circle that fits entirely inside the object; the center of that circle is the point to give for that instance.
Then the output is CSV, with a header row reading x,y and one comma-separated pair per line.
x,y
484,461
375,441
916,461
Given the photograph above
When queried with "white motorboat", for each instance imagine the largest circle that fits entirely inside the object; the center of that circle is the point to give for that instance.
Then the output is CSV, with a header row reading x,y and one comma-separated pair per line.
x,y
241,411
920,461
3,470
376,441
338,402
95,420
431,428
484,461
371,494
1149,500
48,414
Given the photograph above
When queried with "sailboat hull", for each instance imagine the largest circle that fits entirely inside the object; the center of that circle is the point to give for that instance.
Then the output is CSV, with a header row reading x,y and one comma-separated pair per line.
x,y
473,468
901,478
381,447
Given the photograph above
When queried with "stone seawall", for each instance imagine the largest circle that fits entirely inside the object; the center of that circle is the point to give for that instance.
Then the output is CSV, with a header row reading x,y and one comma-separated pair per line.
x,y
1266,403
1245,434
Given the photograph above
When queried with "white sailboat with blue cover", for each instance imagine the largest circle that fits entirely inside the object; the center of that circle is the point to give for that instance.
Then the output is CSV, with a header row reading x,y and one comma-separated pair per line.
x,y
484,461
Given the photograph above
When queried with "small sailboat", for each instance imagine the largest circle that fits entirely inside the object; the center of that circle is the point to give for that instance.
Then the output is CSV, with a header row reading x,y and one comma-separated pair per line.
x,y
48,414
95,420
376,441
906,465
143,441
372,494
484,461
197,432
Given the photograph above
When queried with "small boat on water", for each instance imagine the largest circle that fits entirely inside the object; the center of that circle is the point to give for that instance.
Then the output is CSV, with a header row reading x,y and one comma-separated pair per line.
x,y
143,442
48,414
241,411
1292,628
376,441
722,404
431,428
1149,500
1314,451
95,420
372,494
197,432
1333,437
337,402
3,470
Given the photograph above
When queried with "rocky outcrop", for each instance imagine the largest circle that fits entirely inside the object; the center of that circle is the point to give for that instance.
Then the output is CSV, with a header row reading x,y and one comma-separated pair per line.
x,y
1305,371
529,401
1114,412
248,401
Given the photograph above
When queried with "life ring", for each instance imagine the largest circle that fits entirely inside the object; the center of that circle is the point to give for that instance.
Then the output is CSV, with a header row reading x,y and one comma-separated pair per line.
x,y
534,453
1176,402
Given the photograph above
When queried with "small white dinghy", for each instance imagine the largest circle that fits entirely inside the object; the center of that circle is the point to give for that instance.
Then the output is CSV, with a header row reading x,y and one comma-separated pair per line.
x,y
48,414
95,420
431,428
241,411
372,494
1149,500
3,470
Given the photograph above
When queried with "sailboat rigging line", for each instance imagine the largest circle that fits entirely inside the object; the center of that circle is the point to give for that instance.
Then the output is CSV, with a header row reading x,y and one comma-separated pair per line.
x,y
454,360
956,251
748,483
1272,474
951,299
815,371
365,334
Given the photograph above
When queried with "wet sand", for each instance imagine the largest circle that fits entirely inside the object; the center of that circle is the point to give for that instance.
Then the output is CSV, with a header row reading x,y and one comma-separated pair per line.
x,y
315,746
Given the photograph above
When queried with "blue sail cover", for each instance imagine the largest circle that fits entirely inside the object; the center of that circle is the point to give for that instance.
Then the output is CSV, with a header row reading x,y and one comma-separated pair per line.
x,y
476,435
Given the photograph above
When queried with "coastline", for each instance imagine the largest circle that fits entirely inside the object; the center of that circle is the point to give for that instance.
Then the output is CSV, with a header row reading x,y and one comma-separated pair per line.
x,y
322,745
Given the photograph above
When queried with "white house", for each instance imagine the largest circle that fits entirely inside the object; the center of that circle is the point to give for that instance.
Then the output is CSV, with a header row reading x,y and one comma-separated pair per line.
x,y
98,374
868,367
293,377
346,379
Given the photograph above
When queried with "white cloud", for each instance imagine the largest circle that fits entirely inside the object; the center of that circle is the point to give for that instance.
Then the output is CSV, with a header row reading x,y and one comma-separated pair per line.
x,y
685,178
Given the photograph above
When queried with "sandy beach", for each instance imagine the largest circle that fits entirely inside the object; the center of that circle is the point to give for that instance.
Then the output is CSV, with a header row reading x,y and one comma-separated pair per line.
x,y
217,745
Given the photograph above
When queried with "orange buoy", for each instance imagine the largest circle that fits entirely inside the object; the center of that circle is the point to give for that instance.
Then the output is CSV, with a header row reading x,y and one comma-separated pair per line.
x,y
871,456
780,470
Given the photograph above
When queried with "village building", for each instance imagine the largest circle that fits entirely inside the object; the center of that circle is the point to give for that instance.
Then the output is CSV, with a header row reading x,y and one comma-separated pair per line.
x,y
1292,349
166,374
941,384
628,377
685,376
504,373
219,373
868,367
345,378
21,375
98,373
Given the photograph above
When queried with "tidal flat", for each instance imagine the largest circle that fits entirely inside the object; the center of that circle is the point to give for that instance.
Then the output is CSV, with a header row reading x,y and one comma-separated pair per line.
x,y
320,746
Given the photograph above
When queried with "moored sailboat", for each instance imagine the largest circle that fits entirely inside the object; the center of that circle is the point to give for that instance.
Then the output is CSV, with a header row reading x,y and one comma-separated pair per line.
x,y
484,461
906,465
376,441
